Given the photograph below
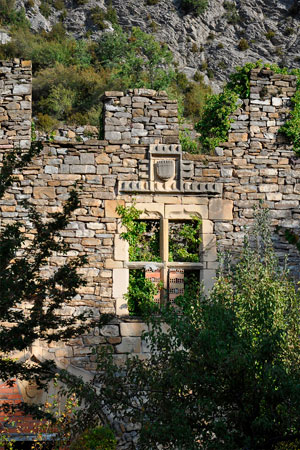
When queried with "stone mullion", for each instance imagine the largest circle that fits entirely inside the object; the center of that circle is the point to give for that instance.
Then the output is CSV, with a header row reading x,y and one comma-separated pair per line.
x,y
164,254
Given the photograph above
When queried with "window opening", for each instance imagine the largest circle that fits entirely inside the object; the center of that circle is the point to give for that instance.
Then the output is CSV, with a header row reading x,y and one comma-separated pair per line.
x,y
184,240
144,290
164,256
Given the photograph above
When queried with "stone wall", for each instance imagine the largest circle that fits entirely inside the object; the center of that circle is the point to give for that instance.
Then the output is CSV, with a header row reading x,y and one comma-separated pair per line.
x,y
141,140
15,104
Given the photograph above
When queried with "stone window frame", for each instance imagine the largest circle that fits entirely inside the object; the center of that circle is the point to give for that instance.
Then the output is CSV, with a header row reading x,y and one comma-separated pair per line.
x,y
164,213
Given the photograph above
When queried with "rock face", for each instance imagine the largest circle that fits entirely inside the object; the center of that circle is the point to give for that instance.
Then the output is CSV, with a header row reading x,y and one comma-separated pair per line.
x,y
209,43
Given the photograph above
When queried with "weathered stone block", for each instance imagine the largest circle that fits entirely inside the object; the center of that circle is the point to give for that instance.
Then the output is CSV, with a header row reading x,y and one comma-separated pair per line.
x,y
129,345
110,207
120,249
220,209
132,329
120,282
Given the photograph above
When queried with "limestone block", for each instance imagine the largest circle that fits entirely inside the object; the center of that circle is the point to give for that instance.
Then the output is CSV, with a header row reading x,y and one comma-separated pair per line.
x,y
120,282
110,207
208,247
44,192
220,209
82,168
151,210
112,264
121,307
22,89
133,328
208,279
276,101
129,345
87,158
274,196
120,249
268,188
185,211
110,330
207,227
237,137
113,135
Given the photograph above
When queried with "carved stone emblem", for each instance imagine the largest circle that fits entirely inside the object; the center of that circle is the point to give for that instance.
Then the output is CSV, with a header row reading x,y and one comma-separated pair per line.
x,y
165,169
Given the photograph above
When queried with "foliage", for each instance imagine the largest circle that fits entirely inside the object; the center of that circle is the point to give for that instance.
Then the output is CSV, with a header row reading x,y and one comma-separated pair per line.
x,y
270,34
140,294
185,240
239,81
142,236
195,99
243,44
98,438
291,127
10,15
25,249
188,144
137,59
224,369
231,14
215,122
196,7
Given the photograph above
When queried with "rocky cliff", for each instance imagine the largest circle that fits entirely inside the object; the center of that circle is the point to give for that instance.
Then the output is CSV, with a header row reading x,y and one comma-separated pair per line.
x,y
227,34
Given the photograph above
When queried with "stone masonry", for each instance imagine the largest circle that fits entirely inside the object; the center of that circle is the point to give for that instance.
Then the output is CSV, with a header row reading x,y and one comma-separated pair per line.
x,y
15,104
141,160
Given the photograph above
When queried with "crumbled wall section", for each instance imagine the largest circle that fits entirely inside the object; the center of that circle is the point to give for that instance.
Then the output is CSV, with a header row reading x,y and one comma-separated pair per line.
x,y
15,104
142,116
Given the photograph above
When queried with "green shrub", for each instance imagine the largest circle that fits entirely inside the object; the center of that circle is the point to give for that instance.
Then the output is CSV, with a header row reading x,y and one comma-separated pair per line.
x,y
9,15
289,445
152,2
243,44
188,144
59,5
231,14
220,45
211,37
291,128
289,31
45,9
81,2
153,25
111,14
203,66
194,48
97,15
99,438
196,7
270,34
215,122
198,77
210,74
222,64
46,123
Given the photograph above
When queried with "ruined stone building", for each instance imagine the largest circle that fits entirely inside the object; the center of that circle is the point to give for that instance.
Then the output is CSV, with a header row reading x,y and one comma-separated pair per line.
x,y
140,160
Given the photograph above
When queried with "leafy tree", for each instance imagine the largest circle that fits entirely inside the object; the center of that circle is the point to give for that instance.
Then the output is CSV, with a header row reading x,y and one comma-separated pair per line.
x,y
224,369
31,293
137,59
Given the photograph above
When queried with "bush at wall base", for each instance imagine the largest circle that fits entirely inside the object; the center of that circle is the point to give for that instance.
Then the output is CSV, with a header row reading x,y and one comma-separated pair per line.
x,y
98,438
